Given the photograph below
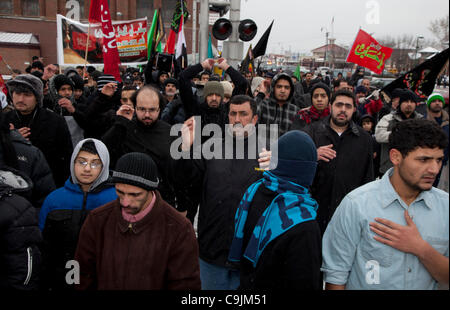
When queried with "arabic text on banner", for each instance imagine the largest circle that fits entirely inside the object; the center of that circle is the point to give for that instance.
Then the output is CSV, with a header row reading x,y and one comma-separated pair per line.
x,y
131,39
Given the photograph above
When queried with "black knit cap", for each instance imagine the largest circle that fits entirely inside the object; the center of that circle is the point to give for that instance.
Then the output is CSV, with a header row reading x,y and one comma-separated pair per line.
x,y
61,80
171,81
408,95
323,86
78,82
137,169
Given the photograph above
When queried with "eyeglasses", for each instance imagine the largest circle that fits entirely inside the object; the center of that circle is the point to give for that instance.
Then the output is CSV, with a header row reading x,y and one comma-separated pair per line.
x,y
84,163
144,110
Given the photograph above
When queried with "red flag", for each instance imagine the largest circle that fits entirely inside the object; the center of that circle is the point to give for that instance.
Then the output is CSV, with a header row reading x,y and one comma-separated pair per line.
x,y
170,45
3,85
95,12
367,52
99,12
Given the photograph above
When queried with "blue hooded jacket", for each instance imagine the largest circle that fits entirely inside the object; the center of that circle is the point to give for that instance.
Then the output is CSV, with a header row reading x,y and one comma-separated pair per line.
x,y
62,216
71,196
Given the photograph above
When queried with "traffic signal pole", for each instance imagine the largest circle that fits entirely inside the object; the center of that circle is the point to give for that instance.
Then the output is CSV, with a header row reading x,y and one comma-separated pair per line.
x,y
204,29
233,48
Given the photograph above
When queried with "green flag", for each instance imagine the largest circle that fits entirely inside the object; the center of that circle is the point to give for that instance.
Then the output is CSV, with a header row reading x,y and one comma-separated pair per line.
x,y
210,50
297,73
151,35
155,35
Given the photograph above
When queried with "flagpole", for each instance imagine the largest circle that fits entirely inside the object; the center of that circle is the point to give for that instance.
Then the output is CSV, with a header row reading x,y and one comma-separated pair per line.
x,y
8,66
86,53
181,28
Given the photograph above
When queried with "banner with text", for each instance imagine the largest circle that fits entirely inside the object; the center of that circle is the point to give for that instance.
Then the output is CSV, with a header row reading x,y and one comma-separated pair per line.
x,y
131,38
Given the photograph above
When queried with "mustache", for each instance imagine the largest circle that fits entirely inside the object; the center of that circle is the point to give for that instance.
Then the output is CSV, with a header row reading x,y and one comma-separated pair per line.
x,y
429,176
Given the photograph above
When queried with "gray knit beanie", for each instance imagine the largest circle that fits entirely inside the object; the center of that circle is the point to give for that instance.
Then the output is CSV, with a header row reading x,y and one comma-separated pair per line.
x,y
213,87
29,82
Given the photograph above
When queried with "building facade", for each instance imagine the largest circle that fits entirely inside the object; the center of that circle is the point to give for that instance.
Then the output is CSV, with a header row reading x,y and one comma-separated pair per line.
x,y
37,18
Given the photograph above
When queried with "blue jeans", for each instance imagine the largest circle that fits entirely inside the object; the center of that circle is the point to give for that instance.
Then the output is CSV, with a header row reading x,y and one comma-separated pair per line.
x,y
215,277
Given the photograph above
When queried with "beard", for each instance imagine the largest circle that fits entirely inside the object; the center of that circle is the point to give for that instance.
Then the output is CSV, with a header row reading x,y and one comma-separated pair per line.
x,y
147,121
415,186
436,109
340,122
213,104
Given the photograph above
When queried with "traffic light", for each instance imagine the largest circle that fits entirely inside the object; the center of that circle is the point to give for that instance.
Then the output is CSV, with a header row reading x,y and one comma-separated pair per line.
x,y
222,29
247,30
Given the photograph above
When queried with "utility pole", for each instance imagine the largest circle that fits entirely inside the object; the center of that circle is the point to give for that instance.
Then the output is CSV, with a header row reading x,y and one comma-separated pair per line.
x,y
233,48
326,49
204,29
416,60
326,45
194,31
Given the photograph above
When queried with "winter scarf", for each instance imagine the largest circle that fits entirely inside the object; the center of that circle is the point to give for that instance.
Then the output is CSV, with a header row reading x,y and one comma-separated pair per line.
x,y
312,114
293,205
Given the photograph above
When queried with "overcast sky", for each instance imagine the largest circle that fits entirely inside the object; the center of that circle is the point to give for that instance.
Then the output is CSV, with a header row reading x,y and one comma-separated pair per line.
x,y
298,23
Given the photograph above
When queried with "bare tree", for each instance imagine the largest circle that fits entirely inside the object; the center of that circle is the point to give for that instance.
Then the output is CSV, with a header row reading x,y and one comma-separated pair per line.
x,y
440,30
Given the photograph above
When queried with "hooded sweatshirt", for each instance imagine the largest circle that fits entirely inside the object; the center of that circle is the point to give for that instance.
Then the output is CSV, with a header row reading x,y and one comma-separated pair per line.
x,y
64,212
270,112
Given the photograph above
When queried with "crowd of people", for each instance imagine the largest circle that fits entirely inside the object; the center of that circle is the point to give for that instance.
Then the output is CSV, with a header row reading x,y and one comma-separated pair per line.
x,y
88,175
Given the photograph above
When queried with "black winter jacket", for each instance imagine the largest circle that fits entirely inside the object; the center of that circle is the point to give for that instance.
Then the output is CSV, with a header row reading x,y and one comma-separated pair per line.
x,y
49,133
100,114
154,140
174,112
351,168
290,261
224,182
20,236
33,163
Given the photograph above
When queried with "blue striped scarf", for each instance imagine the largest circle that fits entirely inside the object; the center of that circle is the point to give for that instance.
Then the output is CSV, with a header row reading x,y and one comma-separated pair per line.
x,y
293,205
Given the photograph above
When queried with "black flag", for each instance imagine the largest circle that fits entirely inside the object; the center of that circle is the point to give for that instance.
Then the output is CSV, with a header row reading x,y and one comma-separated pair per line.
x,y
422,79
247,65
261,46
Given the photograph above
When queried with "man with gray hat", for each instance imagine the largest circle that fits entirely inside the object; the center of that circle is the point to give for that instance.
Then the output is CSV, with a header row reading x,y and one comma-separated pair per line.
x,y
45,129
137,242
211,108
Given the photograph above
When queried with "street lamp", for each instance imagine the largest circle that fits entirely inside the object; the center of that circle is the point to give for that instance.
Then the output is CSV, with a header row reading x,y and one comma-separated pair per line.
x,y
417,47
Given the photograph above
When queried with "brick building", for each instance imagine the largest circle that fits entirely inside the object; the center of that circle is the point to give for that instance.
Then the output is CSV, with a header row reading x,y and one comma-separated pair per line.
x,y
28,27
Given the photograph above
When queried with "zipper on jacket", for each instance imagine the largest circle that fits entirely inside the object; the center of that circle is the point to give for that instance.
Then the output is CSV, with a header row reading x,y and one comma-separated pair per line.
x,y
83,210
30,265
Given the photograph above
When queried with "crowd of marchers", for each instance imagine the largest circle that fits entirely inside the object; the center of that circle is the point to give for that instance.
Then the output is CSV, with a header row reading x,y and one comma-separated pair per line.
x,y
91,197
